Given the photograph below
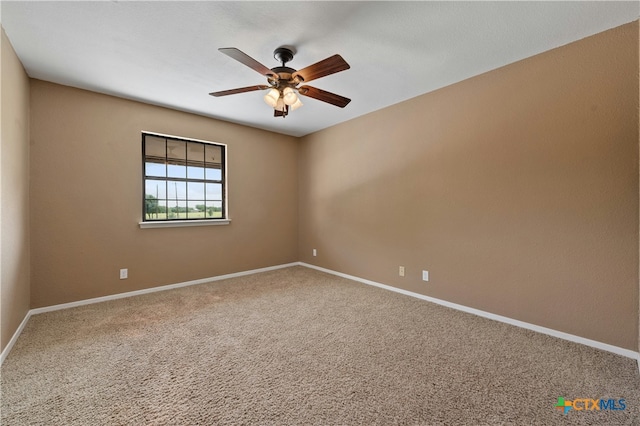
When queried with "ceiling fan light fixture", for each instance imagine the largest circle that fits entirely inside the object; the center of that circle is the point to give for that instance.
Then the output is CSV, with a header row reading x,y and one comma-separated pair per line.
x,y
289,96
272,97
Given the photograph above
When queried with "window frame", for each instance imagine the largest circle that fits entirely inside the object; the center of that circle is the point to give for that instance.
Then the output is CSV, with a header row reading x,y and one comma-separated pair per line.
x,y
151,223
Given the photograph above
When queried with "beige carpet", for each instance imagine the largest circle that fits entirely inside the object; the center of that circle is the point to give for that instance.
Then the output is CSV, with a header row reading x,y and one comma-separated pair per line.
x,y
297,346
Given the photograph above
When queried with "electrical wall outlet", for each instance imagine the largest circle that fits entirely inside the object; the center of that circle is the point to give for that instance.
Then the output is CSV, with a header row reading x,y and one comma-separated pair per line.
x,y
425,275
124,274
401,271
315,253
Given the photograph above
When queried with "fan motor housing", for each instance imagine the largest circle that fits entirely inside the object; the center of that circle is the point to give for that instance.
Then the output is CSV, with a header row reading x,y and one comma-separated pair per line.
x,y
285,77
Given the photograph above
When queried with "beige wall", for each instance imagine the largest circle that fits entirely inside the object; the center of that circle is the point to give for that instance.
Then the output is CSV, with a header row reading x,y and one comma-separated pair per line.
x,y
517,189
86,198
14,184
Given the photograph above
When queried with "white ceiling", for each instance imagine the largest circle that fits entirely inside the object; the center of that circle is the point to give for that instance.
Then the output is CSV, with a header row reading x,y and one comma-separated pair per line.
x,y
165,52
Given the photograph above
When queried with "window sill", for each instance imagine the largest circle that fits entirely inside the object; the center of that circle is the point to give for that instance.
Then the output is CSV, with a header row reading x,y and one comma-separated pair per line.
x,y
181,223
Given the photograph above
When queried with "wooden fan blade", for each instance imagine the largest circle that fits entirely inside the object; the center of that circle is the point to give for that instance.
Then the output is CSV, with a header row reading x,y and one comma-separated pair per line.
x,y
239,90
324,96
323,68
242,57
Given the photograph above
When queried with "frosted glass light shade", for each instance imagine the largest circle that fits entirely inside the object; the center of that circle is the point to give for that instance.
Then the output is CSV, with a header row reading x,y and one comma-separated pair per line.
x,y
289,96
297,104
280,106
271,98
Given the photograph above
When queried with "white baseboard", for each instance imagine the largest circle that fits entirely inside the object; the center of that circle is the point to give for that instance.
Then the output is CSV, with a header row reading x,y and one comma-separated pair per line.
x,y
155,289
14,338
551,332
52,308
559,334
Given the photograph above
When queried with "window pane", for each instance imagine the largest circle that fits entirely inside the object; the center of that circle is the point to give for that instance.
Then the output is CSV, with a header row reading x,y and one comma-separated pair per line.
x,y
177,191
177,150
214,209
195,152
197,208
152,207
176,171
177,210
195,190
155,209
162,210
213,174
155,169
195,172
214,191
154,148
213,155
155,188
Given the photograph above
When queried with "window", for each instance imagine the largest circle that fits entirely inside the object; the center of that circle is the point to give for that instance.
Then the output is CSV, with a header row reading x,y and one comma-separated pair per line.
x,y
184,180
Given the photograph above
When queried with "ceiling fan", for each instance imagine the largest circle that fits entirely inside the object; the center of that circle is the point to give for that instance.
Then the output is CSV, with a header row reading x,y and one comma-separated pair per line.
x,y
284,82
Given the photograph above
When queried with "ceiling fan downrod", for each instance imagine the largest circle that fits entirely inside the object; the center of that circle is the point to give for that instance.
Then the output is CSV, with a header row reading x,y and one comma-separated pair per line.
x,y
283,55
